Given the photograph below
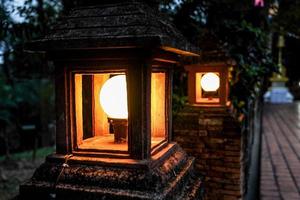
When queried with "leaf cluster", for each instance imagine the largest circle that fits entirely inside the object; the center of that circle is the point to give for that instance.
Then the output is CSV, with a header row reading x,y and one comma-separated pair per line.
x,y
242,31
20,72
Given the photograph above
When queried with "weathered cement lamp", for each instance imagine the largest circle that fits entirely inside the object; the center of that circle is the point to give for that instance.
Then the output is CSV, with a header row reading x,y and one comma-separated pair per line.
x,y
208,83
113,101
206,127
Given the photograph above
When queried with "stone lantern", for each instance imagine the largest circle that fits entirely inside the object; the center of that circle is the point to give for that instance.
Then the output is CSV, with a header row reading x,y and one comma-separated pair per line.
x,y
207,129
113,69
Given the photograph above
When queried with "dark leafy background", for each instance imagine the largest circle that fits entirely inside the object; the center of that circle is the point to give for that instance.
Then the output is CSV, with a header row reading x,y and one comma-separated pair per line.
x,y
242,30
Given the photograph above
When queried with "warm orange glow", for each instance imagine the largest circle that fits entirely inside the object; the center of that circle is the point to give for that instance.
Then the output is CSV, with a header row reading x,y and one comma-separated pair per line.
x,y
101,139
103,143
158,109
210,82
78,108
100,118
113,97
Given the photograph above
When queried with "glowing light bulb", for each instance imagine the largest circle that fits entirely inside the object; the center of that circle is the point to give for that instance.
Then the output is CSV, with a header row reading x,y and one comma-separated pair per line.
x,y
113,97
210,82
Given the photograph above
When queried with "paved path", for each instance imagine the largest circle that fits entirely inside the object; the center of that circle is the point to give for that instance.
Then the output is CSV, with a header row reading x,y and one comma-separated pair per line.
x,y
280,158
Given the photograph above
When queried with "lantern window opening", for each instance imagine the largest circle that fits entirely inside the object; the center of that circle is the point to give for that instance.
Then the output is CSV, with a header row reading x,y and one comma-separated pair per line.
x,y
159,107
97,125
207,87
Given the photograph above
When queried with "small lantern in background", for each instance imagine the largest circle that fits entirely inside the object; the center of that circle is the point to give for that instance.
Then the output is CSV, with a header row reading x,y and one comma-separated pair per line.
x,y
206,127
208,84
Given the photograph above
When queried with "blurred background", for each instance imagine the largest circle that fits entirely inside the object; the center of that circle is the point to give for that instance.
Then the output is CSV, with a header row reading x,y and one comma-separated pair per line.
x,y
247,30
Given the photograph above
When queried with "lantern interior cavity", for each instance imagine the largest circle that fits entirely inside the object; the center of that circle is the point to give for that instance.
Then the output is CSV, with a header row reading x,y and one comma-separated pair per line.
x,y
101,114
95,120
207,96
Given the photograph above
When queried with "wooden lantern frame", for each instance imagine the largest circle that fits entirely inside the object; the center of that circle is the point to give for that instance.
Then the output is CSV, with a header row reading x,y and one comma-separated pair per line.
x,y
220,68
126,36
138,66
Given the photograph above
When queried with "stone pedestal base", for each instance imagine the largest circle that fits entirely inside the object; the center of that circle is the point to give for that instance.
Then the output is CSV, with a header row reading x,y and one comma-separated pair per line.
x,y
278,93
168,176
213,137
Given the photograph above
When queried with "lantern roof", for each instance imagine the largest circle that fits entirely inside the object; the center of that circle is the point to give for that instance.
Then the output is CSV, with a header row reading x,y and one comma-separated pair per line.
x,y
128,24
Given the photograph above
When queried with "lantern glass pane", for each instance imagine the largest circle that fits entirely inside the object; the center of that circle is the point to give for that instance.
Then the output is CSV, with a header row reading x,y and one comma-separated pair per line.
x,y
207,87
158,108
101,112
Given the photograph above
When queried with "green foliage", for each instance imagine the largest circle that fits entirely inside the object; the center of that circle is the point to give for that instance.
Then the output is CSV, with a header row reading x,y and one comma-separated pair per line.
x,y
7,102
27,155
29,92
178,102
248,47
25,79
241,29
37,18
287,17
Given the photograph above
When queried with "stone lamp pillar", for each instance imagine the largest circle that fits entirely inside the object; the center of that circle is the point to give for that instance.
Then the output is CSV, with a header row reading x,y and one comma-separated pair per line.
x,y
278,92
207,130
113,73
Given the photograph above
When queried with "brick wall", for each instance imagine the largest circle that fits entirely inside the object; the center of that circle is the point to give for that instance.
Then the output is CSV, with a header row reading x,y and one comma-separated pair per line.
x,y
214,138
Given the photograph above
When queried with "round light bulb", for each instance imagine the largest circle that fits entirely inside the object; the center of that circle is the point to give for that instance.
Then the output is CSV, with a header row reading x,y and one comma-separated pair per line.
x,y
113,97
210,82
